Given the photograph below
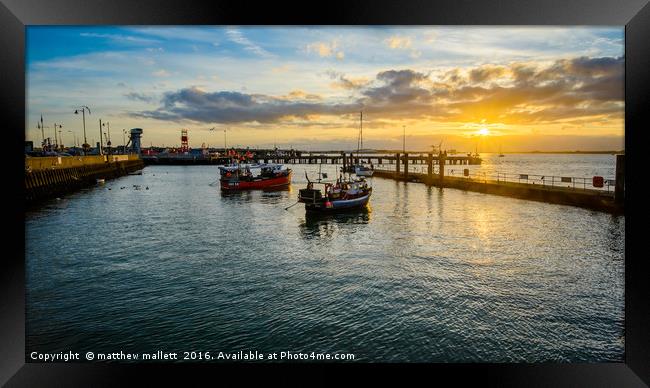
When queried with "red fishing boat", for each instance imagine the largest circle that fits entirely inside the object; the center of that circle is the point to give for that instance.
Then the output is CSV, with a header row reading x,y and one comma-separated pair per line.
x,y
254,177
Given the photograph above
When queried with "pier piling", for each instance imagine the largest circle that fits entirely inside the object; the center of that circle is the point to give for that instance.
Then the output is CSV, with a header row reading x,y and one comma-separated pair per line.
x,y
397,164
619,188
406,165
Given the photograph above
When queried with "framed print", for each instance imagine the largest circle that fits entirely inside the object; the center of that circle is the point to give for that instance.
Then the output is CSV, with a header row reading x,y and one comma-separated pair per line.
x,y
451,188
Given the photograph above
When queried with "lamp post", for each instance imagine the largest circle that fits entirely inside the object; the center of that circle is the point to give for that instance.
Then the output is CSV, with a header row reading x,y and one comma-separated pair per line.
x,y
404,139
83,109
124,141
101,141
108,137
57,141
40,126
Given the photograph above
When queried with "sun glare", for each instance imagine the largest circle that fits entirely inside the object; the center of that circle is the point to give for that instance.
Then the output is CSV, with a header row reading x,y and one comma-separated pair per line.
x,y
483,131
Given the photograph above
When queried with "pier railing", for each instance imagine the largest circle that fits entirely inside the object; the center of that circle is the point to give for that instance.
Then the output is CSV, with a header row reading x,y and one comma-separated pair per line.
x,y
533,179
49,162
575,183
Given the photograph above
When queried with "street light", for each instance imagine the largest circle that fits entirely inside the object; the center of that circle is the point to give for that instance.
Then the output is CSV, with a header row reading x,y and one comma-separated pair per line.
x,y
404,139
58,126
83,109
124,141
42,128
108,143
101,141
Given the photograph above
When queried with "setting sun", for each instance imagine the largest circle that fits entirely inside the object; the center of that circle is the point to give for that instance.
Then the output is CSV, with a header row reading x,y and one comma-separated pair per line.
x,y
483,131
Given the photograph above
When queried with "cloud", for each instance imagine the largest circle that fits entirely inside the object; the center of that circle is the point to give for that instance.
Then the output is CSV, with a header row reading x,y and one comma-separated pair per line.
x,y
238,37
234,107
342,81
398,42
299,94
566,90
486,73
119,38
326,49
138,97
161,73
281,69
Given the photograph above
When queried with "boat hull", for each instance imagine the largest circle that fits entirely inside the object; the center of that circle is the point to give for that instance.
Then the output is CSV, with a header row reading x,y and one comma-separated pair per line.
x,y
256,184
339,205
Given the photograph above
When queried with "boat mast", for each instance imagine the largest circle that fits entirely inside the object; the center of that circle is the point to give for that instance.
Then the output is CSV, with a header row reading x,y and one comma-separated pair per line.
x,y
361,129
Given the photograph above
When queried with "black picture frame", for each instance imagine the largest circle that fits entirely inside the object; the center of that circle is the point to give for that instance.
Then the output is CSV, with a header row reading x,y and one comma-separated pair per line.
x,y
633,14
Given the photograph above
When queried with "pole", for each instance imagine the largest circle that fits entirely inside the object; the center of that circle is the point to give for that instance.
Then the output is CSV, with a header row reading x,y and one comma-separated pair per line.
x,y
42,130
83,117
124,141
361,134
404,139
108,143
100,137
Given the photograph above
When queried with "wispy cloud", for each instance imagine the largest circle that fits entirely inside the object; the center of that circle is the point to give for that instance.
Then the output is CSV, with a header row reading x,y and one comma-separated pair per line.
x,y
161,73
238,37
119,38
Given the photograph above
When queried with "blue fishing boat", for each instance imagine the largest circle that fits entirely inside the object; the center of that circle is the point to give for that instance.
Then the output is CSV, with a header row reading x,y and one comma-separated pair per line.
x,y
343,195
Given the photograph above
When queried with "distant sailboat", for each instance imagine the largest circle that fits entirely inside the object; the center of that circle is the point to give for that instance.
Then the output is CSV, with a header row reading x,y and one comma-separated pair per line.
x,y
501,155
360,169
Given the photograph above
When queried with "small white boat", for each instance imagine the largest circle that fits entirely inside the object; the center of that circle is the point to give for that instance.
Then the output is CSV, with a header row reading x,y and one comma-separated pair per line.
x,y
362,170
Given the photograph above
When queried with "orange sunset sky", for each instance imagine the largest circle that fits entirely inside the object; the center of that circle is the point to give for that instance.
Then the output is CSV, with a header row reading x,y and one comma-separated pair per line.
x,y
487,88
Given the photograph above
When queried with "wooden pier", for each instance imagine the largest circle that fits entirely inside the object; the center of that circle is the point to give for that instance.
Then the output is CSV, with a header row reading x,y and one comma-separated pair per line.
x,y
338,157
398,159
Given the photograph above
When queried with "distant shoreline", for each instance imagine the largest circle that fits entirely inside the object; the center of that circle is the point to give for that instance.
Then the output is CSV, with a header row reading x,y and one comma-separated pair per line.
x,y
567,152
528,152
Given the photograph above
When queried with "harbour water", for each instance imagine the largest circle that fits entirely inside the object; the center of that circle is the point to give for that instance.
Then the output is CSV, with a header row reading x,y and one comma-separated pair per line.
x,y
425,275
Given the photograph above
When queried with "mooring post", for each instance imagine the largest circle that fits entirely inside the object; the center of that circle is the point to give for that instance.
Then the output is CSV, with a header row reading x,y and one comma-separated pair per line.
x,y
406,166
441,163
344,160
397,164
619,190
430,167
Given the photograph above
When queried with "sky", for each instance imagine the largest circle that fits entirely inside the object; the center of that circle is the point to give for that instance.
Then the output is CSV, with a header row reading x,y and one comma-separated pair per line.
x,y
489,89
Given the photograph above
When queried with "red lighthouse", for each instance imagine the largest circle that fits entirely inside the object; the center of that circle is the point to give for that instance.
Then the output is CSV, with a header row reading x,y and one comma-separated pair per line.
x,y
184,144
